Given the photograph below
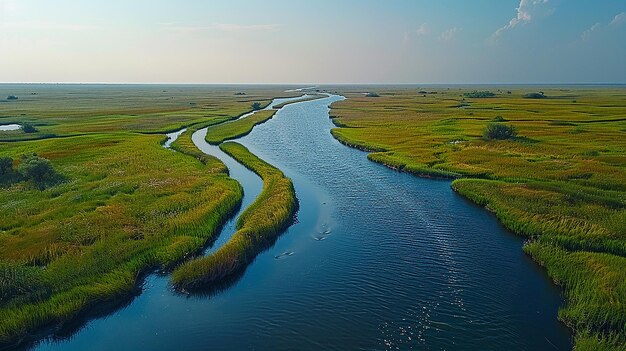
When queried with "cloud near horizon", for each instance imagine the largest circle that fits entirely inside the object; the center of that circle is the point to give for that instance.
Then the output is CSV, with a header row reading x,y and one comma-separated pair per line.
x,y
423,30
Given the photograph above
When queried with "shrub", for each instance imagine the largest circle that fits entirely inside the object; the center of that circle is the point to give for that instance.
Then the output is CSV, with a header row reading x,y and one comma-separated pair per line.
x,y
28,128
372,95
499,119
498,131
479,94
12,97
37,169
539,95
6,165
256,106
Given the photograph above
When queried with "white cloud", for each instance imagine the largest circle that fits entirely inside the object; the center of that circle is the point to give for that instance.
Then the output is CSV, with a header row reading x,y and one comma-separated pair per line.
x,y
423,30
619,19
527,11
587,34
449,34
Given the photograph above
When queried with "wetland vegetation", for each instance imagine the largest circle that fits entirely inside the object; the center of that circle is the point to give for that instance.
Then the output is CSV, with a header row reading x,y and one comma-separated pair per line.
x,y
258,225
125,206
91,202
561,182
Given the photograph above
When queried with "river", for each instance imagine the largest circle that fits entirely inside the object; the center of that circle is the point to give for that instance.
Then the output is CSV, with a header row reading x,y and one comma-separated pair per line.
x,y
377,260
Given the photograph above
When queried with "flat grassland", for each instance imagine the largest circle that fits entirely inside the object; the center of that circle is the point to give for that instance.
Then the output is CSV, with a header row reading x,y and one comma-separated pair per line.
x,y
126,205
561,182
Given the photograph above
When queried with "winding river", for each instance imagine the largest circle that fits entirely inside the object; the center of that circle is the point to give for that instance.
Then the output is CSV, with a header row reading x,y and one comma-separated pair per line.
x,y
378,260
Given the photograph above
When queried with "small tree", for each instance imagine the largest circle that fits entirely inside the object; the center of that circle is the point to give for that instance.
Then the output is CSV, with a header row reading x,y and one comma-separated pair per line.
x,y
499,131
28,128
256,106
372,95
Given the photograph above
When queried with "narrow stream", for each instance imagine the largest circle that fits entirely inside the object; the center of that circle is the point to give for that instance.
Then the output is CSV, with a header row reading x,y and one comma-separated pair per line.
x,y
378,260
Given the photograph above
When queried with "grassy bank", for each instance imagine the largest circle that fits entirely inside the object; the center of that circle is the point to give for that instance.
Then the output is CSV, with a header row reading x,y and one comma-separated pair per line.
x,y
561,181
237,128
257,226
129,205
309,98
125,206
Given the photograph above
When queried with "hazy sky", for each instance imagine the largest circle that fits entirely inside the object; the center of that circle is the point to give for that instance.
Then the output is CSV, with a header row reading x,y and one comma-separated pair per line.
x,y
313,41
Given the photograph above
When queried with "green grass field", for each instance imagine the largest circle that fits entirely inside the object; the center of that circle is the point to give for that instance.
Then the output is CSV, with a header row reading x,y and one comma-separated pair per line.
x,y
257,226
126,204
561,181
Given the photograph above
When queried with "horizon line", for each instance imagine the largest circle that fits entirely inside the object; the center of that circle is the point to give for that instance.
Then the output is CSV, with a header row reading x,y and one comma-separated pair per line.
x,y
309,85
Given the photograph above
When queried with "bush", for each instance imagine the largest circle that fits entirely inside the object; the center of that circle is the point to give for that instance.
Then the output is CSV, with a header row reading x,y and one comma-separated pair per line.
x,y
499,119
539,95
372,95
479,94
6,165
11,97
37,169
29,128
256,106
498,131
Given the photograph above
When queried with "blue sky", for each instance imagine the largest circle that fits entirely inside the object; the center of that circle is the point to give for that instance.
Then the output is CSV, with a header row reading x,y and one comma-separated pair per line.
x,y
320,41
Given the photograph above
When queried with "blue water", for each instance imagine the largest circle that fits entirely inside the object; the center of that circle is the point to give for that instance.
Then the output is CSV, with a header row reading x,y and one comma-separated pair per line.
x,y
381,261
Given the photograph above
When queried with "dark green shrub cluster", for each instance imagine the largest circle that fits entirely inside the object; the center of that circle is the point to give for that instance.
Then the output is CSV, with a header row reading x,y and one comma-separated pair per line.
x,y
539,95
499,131
499,119
256,106
33,168
479,94
29,128
371,94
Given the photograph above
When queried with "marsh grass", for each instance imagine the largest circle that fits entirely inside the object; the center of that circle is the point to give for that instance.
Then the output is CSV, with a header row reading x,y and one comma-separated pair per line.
x,y
257,227
309,98
126,206
562,185
234,129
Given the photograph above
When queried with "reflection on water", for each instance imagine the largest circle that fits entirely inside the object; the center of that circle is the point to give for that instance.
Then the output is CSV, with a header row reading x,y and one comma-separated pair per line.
x,y
377,260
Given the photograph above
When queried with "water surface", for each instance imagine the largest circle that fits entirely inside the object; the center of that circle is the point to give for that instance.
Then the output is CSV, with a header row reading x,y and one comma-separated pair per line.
x,y
378,260
9,127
